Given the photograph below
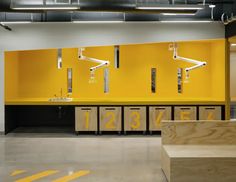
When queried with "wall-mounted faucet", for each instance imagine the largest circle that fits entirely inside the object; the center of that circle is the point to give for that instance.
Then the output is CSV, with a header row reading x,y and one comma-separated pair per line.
x,y
101,63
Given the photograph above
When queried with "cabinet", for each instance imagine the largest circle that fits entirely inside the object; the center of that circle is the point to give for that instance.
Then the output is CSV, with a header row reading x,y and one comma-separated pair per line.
x,y
210,113
86,119
110,118
185,113
156,115
135,118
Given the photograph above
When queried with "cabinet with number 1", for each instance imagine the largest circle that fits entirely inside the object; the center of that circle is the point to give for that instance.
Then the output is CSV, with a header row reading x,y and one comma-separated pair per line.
x,y
86,119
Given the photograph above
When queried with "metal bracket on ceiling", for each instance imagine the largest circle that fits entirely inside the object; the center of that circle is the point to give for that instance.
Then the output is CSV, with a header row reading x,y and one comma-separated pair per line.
x,y
226,19
5,27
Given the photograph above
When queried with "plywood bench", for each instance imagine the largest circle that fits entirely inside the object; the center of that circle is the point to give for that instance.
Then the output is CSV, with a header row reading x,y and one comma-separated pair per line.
x,y
199,151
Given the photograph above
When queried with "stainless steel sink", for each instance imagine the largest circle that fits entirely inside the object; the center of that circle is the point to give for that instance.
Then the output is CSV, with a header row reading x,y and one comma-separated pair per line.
x,y
60,99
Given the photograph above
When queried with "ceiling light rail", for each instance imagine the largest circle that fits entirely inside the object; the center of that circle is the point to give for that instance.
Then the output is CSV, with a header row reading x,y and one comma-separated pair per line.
x,y
44,6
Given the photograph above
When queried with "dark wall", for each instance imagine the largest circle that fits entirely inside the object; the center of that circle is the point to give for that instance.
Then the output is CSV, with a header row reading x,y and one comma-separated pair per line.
x,y
30,116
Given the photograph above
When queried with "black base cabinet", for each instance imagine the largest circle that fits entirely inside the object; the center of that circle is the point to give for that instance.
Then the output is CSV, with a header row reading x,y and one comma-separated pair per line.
x,y
38,116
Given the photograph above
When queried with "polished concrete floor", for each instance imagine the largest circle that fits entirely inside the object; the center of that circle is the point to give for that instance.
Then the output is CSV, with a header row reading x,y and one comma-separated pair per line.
x,y
66,157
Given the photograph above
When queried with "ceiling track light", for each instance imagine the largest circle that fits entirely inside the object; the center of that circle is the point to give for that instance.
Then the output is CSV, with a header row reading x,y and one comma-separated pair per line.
x,y
170,7
45,7
186,21
94,22
178,14
15,22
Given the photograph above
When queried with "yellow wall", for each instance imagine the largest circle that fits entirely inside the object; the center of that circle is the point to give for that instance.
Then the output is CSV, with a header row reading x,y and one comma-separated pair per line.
x,y
11,75
40,78
218,66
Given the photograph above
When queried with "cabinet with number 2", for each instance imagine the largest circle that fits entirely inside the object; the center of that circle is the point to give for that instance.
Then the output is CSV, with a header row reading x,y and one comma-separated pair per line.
x,y
110,119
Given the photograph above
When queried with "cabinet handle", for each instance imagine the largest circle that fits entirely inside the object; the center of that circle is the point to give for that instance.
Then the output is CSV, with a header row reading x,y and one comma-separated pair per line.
x,y
186,108
86,109
160,108
134,108
210,108
110,109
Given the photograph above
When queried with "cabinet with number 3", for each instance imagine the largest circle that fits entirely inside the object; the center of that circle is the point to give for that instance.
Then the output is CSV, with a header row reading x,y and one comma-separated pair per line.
x,y
135,118
86,119
156,115
110,118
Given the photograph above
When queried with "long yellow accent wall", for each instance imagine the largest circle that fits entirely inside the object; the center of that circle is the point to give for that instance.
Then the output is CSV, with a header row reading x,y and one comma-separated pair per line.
x,y
34,74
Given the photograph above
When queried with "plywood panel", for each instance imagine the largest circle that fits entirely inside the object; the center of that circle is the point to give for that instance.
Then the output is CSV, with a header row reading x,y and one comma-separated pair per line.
x,y
110,118
215,163
86,119
156,115
135,118
198,132
165,163
210,113
185,113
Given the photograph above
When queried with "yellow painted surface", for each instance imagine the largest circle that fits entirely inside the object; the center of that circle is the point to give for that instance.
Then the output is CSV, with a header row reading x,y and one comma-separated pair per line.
x,y
11,75
39,78
72,176
119,101
17,172
37,176
218,69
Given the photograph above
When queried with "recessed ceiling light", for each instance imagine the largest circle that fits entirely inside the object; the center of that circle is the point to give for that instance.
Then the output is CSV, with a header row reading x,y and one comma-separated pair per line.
x,y
233,45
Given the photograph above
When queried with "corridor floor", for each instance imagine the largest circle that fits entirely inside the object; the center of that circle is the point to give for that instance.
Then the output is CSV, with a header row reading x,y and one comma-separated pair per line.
x,y
44,158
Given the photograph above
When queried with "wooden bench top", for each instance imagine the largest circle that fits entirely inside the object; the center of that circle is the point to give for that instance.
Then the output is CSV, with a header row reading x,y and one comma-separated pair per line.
x,y
200,151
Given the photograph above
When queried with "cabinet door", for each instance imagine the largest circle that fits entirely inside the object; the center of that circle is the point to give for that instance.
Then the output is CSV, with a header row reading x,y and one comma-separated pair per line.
x,y
156,115
185,113
86,119
135,118
210,113
110,118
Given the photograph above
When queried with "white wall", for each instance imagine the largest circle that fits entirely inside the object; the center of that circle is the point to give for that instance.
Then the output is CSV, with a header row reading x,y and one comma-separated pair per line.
x,y
55,35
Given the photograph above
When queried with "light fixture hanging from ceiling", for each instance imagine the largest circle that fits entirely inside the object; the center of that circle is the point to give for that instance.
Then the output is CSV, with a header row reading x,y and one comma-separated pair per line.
x,y
56,6
171,9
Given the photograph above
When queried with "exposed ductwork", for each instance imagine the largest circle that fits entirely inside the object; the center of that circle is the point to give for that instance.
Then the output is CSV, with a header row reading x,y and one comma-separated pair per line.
x,y
99,10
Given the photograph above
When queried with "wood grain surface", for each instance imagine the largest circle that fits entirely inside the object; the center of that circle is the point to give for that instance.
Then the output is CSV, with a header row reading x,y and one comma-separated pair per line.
x,y
156,115
185,113
135,118
198,132
210,113
199,163
86,119
110,118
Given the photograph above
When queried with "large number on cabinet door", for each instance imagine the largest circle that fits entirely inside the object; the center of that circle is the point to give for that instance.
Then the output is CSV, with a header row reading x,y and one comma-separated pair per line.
x,y
86,119
156,115
210,113
110,118
135,118
185,113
